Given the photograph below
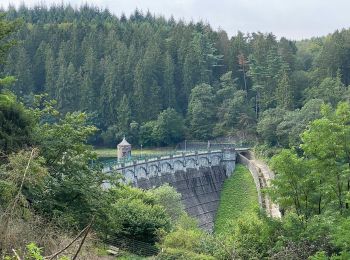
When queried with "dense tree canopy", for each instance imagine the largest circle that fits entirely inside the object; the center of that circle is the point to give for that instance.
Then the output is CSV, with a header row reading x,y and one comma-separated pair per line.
x,y
159,81
124,70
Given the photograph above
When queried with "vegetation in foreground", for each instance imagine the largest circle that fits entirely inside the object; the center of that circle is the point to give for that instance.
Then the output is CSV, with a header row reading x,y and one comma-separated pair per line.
x,y
296,97
238,198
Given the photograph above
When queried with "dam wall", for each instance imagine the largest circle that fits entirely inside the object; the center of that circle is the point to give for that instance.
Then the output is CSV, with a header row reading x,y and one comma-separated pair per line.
x,y
200,190
198,176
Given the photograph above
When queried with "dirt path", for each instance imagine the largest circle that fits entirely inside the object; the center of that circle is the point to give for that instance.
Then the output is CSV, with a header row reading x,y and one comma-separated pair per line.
x,y
268,175
262,177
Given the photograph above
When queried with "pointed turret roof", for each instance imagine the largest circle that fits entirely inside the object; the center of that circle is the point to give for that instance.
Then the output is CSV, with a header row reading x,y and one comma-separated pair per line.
x,y
124,142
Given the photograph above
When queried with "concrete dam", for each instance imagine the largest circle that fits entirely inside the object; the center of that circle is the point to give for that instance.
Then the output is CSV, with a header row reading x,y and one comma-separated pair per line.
x,y
198,176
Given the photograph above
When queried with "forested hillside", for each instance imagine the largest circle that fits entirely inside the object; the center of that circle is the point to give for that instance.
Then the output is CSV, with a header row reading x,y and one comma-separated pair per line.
x,y
159,81
126,71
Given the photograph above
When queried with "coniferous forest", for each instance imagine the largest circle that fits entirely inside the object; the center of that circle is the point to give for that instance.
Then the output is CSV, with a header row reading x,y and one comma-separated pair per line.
x,y
137,75
71,79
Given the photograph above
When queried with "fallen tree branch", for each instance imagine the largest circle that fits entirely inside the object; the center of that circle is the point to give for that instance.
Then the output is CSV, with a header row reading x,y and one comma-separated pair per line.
x,y
83,240
8,212
67,246
17,256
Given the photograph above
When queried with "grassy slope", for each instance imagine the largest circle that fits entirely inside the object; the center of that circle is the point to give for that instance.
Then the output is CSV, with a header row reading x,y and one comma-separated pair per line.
x,y
238,197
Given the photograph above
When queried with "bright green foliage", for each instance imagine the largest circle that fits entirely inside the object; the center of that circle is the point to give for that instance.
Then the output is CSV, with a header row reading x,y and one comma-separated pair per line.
x,y
187,241
73,187
252,237
184,239
174,254
170,199
331,90
294,185
146,133
34,251
326,142
168,129
295,122
340,236
238,197
6,81
135,214
268,124
311,188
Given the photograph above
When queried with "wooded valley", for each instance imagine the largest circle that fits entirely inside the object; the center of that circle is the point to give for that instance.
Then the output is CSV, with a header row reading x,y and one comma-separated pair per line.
x,y
71,79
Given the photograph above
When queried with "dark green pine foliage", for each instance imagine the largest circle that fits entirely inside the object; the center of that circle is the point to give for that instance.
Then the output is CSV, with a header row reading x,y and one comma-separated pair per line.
x,y
284,94
16,122
20,65
201,112
39,64
67,88
88,59
50,72
147,84
168,95
124,116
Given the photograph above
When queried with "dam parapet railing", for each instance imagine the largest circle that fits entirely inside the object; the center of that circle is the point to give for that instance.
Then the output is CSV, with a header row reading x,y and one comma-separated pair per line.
x,y
152,157
133,170
115,163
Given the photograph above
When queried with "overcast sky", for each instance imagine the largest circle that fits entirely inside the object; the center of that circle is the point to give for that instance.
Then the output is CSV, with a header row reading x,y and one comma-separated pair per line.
x,y
295,19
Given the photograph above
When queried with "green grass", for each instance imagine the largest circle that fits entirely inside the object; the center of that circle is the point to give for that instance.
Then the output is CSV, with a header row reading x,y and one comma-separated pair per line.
x,y
238,198
130,256
112,152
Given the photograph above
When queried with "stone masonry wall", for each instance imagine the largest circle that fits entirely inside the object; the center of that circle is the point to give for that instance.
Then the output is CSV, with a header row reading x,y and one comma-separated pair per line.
x,y
200,190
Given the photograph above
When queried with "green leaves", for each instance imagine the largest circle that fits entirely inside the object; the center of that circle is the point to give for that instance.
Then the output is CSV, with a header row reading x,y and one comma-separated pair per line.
x,y
169,128
135,214
292,187
16,124
317,180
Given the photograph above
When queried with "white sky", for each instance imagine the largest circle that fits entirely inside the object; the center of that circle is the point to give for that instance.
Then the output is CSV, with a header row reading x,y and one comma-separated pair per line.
x,y
294,19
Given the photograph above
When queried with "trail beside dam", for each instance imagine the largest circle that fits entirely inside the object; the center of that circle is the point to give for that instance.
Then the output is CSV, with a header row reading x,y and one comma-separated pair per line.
x,y
262,176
